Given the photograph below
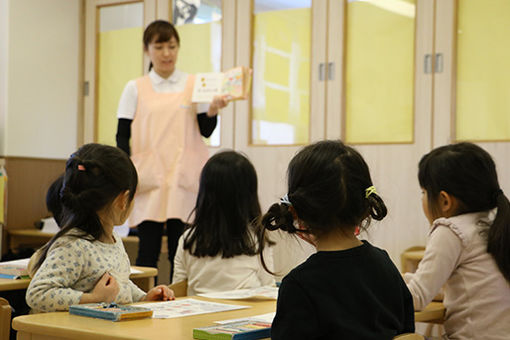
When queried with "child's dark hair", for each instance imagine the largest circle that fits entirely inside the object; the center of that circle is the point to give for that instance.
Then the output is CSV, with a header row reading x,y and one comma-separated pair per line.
x,y
327,188
53,202
226,210
95,175
468,172
159,31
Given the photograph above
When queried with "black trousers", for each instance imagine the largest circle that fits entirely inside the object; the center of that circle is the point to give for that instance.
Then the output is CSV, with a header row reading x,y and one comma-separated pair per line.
x,y
150,234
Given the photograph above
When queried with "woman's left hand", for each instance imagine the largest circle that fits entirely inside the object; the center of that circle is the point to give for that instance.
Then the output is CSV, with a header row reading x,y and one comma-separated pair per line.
x,y
218,102
159,293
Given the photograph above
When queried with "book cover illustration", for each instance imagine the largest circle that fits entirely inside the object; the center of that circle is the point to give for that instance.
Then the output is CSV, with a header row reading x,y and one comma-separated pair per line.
x,y
16,269
235,82
242,330
110,311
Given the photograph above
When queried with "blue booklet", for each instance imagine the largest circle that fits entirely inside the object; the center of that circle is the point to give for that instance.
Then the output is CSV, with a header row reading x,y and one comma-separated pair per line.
x,y
110,311
240,330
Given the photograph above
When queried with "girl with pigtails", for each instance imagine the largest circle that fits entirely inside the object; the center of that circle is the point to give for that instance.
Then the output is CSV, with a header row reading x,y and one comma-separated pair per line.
x,y
349,289
85,262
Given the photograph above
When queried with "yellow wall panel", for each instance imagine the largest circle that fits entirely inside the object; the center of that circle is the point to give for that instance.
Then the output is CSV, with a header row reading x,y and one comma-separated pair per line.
x,y
380,72
483,70
120,60
281,83
196,54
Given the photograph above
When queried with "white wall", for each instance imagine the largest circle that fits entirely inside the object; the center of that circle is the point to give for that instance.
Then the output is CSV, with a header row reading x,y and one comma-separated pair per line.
x,y
41,106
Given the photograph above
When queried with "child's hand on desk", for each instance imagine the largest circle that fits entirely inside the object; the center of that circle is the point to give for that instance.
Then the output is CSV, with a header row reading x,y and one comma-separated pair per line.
x,y
105,290
159,293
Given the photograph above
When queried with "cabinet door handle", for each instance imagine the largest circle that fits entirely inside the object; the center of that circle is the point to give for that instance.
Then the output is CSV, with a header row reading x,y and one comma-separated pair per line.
x,y
331,71
86,88
438,67
427,63
321,71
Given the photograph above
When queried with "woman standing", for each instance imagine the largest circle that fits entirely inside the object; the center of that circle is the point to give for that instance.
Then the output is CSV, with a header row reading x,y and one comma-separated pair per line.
x,y
155,112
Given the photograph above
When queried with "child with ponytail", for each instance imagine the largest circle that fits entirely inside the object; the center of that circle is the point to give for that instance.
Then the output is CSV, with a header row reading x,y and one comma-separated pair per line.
x,y
468,251
85,261
349,289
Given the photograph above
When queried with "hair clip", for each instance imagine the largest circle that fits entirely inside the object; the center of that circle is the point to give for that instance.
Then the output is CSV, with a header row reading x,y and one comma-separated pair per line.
x,y
81,167
369,191
285,200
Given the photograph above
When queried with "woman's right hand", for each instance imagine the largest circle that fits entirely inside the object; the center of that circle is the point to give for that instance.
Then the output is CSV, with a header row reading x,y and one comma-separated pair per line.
x,y
105,290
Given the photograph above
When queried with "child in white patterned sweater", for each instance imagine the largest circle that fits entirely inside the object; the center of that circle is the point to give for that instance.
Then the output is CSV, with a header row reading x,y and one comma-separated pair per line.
x,y
85,261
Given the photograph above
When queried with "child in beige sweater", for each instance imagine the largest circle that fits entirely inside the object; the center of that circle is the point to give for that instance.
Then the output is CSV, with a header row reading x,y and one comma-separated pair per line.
x,y
469,241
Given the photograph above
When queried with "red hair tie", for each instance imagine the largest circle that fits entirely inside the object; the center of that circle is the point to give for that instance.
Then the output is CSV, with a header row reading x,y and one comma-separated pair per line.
x,y
81,167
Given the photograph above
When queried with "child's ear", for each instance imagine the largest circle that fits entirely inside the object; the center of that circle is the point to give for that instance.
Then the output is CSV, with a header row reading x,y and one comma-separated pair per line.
x,y
125,199
122,200
448,204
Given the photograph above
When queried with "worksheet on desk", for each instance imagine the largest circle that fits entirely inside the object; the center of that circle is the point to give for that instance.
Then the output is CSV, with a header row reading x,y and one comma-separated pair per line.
x,y
270,293
187,307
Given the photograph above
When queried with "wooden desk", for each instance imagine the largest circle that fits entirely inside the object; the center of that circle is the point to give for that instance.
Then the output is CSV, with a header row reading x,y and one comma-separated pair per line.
x,y
34,238
144,280
62,325
434,312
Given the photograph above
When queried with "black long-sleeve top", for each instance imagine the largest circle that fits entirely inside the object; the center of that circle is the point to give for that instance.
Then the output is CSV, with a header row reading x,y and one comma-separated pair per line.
x,y
206,125
354,294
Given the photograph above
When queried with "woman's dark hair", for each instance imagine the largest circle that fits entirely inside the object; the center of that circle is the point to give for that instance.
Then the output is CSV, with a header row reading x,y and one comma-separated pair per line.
x,y
226,210
468,172
53,203
95,175
327,188
159,31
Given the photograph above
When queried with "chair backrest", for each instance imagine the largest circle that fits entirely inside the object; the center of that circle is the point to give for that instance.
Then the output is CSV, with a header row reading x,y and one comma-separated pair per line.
x,y
409,259
409,336
5,319
180,288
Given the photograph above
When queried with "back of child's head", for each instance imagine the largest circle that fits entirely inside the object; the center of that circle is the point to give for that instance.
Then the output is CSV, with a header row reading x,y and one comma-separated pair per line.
x,y
226,207
329,187
468,172
95,175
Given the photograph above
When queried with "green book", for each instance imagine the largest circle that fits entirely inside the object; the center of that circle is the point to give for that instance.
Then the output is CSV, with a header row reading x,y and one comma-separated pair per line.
x,y
239,330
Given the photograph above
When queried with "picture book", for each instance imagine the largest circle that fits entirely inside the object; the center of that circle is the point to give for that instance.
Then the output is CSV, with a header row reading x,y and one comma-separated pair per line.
x,y
16,269
242,330
235,82
110,311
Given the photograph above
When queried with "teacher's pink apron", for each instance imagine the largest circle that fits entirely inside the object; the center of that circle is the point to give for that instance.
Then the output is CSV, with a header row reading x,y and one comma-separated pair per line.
x,y
168,152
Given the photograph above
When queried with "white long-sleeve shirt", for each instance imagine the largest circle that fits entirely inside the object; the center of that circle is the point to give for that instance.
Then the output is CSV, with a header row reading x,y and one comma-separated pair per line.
x,y
216,274
476,295
73,266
